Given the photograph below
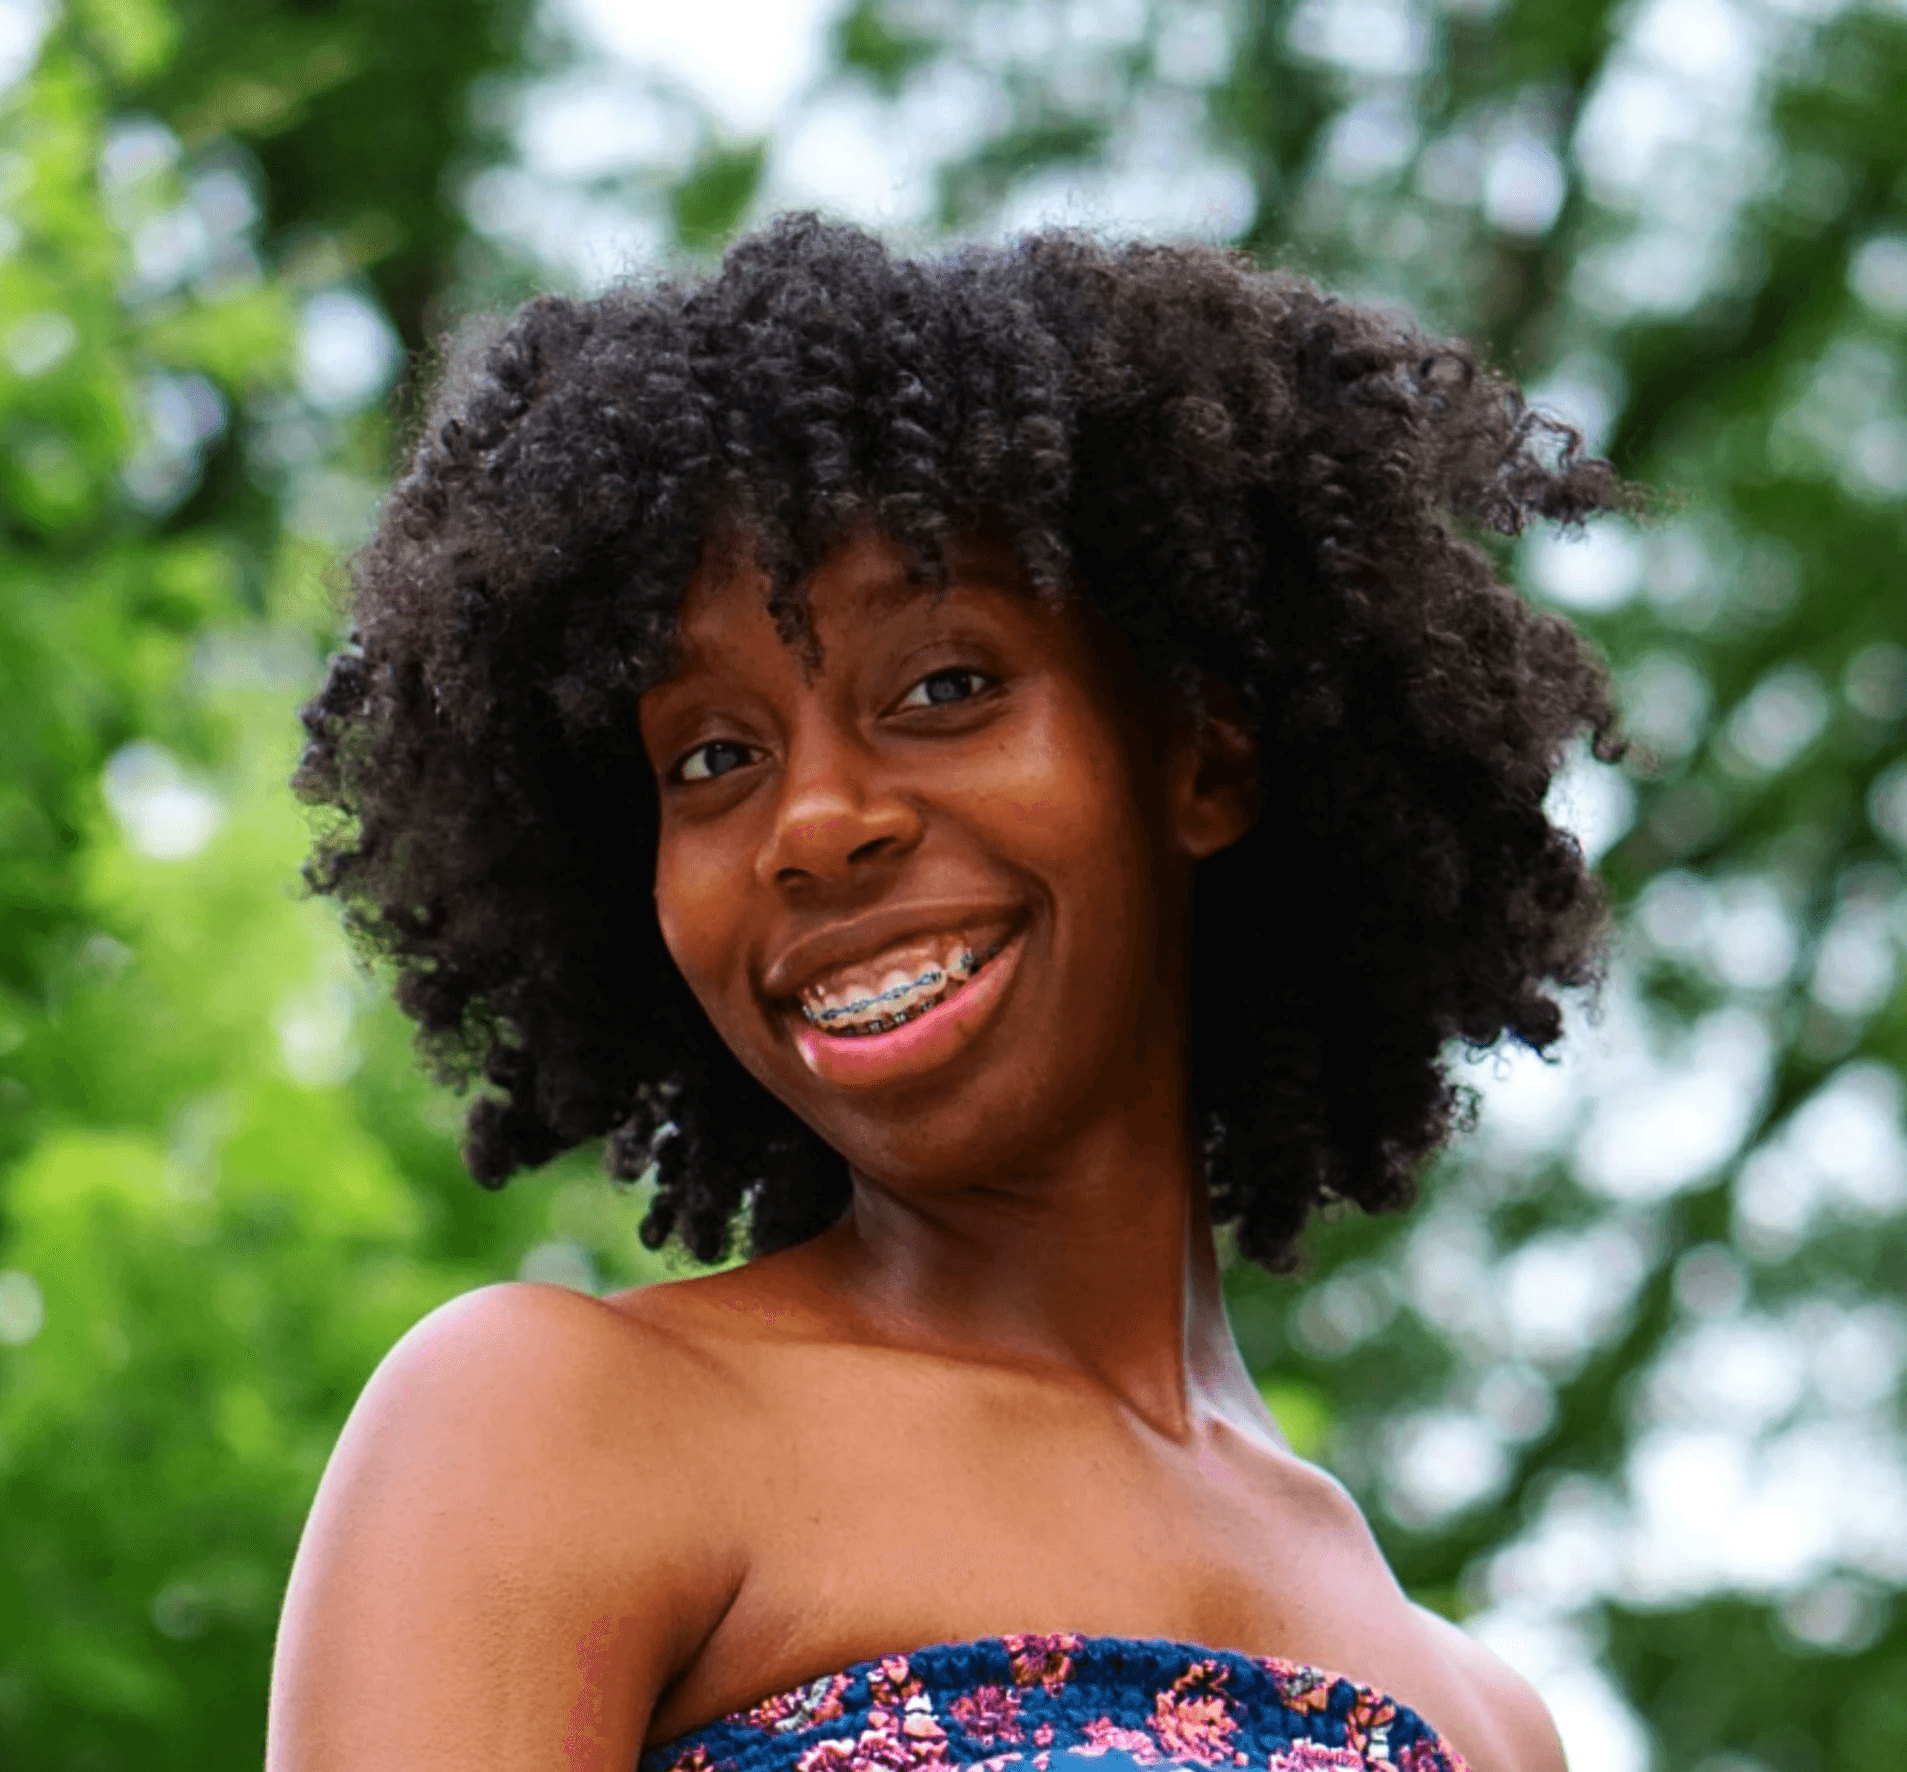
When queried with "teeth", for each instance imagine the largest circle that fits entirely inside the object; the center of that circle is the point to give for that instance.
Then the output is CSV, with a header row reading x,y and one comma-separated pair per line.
x,y
901,966
899,993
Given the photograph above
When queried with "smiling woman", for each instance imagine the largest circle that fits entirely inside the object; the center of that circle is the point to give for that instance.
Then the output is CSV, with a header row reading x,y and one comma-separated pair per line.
x,y
947,808
1085,782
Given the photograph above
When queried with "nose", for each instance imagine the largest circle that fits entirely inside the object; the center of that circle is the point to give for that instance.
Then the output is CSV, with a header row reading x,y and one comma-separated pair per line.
x,y
839,813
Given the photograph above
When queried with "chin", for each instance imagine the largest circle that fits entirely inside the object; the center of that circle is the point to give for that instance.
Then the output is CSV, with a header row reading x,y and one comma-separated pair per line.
x,y
959,1142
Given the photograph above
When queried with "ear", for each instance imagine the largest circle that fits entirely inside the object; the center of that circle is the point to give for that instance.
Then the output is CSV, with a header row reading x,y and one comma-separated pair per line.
x,y
1213,773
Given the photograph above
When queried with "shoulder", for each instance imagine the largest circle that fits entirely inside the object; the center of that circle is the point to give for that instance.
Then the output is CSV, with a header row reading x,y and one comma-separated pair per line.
x,y
522,1391
1489,1710
526,1453
561,1369
1525,1730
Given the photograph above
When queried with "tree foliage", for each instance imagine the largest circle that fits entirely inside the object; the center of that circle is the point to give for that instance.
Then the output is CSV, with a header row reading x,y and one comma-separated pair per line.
x,y
223,1190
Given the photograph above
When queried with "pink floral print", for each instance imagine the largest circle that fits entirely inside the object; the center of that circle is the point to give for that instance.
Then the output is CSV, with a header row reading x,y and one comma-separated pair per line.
x,y
1427,1755
1047,1660
1192,1719
1301,1688
817,1702
892,1683
695,1760
991,1715
1316,1756
1103,1735
889,1745
1018,1703
1367,1727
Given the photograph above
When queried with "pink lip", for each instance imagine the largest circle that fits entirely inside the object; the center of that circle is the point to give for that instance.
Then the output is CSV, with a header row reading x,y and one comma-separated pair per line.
x,y
924,1044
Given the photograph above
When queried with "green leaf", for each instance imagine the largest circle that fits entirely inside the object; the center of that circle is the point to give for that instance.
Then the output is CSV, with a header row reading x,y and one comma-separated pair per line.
x,y
136,38
710,200
243,340
868,41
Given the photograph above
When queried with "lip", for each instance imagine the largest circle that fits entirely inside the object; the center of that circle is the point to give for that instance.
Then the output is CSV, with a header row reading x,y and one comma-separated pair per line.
x,y
808,956
924,1044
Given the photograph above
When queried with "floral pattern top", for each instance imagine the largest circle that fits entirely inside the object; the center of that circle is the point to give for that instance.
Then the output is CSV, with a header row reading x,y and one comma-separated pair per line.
x,y
1065,1704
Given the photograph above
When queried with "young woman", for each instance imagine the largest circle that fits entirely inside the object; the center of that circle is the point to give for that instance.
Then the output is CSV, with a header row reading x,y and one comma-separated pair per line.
x,y
974,773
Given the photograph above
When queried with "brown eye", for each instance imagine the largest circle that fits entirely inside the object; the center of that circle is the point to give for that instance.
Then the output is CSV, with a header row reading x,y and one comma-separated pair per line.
x,y
707,761
944,687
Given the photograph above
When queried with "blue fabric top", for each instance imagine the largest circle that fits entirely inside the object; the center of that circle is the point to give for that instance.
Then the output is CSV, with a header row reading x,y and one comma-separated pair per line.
x,y
1065,1704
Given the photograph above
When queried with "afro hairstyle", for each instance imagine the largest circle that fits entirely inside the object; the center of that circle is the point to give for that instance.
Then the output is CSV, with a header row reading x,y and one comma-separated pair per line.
x,y
1251,478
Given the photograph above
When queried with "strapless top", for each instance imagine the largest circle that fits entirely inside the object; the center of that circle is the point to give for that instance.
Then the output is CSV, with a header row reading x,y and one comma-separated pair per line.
x,y
1065,1704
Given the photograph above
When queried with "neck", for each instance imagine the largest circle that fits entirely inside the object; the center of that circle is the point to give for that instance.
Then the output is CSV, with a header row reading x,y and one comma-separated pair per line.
x,y
1098,1259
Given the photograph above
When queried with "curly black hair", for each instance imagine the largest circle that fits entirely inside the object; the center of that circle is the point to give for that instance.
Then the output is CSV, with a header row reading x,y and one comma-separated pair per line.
x,y
1251,478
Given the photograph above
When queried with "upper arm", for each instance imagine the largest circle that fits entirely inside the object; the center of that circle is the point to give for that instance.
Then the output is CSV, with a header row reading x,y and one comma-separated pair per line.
x,y
509,1555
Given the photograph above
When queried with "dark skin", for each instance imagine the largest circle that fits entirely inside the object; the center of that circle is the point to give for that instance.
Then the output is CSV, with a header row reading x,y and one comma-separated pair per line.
x,y
1001,1394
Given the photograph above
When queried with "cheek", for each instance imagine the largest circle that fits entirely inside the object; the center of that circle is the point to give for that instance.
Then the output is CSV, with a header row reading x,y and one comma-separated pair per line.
x,y
1070,804
698,902
1079,795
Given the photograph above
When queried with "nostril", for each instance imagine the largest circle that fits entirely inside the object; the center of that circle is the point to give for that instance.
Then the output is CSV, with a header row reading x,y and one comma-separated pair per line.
x,y
873,846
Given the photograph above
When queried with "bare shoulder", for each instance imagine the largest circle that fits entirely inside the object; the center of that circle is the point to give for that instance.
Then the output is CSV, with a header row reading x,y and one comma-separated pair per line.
x,y
523,1452
501,1329
516,1377
1490,1712
1526,1729
522,1390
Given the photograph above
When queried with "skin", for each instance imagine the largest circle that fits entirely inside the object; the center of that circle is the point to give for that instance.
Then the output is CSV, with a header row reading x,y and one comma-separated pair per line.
x,y
1001,1394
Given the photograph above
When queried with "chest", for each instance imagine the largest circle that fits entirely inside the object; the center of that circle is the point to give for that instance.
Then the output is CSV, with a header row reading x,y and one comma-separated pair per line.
x,y
1012,1505
883,1516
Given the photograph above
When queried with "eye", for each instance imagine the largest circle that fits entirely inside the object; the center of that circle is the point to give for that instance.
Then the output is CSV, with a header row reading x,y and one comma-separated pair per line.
x,y
707,761
943,687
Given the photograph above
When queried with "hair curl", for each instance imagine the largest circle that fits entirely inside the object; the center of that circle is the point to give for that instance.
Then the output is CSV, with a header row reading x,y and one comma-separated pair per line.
x,y
1249,477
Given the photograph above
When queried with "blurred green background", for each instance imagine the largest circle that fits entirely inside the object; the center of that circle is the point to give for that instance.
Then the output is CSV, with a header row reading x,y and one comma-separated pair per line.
x,y
1624,1395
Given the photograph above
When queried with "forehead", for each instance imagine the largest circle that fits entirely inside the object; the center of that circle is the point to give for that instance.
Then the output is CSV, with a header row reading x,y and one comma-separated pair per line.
x,y
862,582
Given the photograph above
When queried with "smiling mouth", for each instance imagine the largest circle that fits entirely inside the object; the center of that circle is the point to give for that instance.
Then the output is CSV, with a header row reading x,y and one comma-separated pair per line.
x,y
900,1000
